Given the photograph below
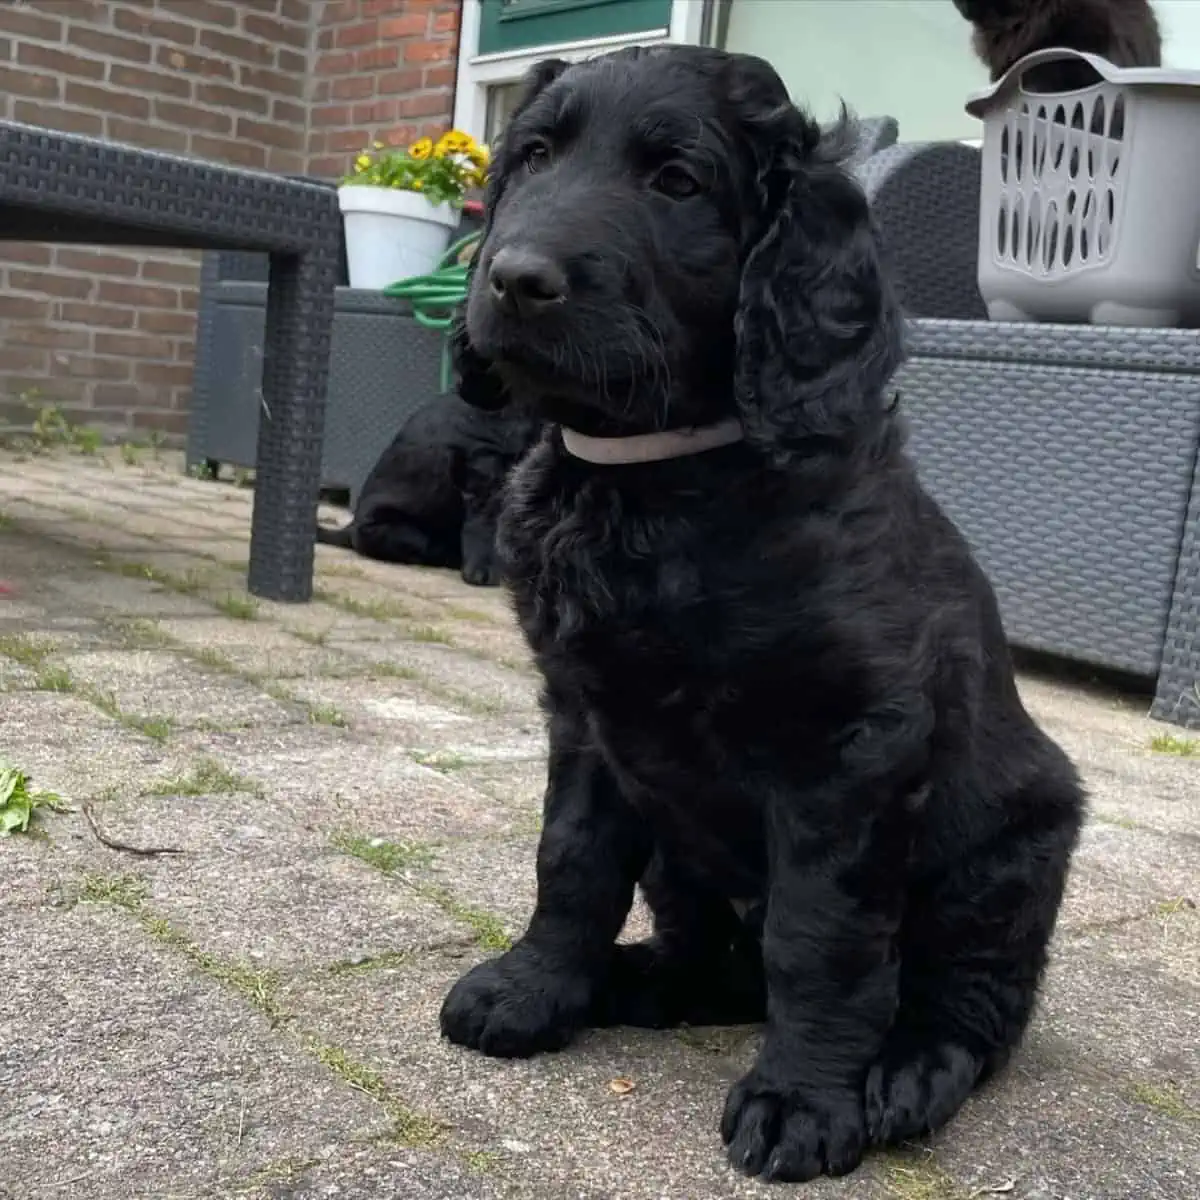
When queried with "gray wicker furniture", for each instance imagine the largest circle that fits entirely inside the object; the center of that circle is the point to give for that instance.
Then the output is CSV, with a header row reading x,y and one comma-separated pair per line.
x,y
1069,455
383,366
60,188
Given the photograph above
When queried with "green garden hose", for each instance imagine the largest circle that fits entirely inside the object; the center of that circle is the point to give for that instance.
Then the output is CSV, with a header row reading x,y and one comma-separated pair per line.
x,y
434,297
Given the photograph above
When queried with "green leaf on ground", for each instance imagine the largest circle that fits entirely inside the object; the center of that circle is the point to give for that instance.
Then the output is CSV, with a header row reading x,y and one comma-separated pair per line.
x,y
19,800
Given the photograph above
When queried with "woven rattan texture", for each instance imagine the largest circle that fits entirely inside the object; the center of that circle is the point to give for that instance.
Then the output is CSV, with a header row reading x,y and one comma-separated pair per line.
x,y
383,366
57,187
1072,486
1177,697
925,198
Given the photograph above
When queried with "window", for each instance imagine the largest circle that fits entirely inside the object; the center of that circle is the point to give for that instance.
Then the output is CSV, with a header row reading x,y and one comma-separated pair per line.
x,y
911,60
520,24
501,39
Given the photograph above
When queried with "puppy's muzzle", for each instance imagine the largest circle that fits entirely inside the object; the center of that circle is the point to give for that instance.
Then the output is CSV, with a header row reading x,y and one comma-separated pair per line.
x,y
525,283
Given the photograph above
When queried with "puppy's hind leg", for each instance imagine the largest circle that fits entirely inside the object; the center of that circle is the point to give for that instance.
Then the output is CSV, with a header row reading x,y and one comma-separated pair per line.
x,y
391,535
703,966
973,947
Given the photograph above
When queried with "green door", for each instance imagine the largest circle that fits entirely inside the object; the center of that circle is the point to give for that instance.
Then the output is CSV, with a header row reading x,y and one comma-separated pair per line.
x,y
522,24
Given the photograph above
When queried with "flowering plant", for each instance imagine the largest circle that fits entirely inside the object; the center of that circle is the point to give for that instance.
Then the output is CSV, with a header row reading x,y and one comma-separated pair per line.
x,y
442,171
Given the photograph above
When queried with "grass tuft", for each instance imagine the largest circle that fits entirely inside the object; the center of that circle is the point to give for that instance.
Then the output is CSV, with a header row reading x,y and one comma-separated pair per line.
x,y
389,857
1181,747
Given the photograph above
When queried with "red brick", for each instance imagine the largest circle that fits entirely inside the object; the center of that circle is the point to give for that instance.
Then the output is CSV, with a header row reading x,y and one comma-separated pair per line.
x,y
296,10
287,162
292,61
353,87
31,55
110,45
54,337
143,295
325,39
234,46
36,254
349,140
192,117
154,321
74,287
163,374
106,100
182,273
376,58
96,263
30,25
23,358
335,64
228,150
274,31
408,25
134,345
443,77
445,22
272,81
289,112
193,64
69,120
220,95
148,25
376,8
203,10
338,12
149,81
106,315
357,35
121,395
85,366
404,135
428,51
29,83
269,134
377,112
399,81
332,114
148,136
329,167
428,104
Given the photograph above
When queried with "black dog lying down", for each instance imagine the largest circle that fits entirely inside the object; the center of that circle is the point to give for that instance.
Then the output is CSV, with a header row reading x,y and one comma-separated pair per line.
x,y
778,689
433,497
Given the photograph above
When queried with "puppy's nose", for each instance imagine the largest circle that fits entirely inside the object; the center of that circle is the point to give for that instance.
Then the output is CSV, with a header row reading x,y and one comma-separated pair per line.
x,y
525,282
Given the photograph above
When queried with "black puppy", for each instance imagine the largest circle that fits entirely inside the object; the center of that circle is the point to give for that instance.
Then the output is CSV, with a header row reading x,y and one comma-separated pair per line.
x,y
433,497
778,689
1123,31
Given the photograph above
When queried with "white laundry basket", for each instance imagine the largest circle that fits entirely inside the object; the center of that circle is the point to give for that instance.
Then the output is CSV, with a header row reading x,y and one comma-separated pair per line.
x,y
1090,199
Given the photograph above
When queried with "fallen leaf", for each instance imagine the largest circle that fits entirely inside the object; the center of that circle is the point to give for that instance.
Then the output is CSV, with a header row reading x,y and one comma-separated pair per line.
x,y
621,1086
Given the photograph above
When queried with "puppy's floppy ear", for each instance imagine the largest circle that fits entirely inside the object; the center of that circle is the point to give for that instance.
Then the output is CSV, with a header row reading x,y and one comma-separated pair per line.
x,y
819,330
477,382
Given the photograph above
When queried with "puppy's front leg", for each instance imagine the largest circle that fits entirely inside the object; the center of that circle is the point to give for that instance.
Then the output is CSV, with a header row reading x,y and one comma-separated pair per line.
x,y
592,851
833,909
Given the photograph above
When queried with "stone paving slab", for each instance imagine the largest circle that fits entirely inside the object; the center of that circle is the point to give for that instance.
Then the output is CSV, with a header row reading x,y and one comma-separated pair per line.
x,y
125,1074
356,785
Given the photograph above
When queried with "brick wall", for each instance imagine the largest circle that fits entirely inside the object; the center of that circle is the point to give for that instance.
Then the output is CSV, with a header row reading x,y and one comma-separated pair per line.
x,y
106,335
383,71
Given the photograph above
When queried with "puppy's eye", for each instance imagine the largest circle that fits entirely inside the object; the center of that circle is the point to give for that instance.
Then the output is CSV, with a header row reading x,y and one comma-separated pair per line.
x,y
676,181
537,157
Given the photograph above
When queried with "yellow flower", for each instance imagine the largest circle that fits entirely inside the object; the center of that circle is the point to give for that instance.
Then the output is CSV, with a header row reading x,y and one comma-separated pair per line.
x,y
455,142
479,156
362,162
376,145
417,185
421,149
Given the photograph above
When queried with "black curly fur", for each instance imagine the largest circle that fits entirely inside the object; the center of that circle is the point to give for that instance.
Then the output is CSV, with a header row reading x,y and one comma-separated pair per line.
x,y
433,498
778,690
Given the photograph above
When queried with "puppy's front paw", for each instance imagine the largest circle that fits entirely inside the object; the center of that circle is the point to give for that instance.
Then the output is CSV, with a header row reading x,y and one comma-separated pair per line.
x,y
782,1132
516,1005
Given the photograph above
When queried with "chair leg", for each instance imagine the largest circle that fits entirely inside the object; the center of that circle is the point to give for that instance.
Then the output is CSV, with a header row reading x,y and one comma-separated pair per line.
x,y
299,332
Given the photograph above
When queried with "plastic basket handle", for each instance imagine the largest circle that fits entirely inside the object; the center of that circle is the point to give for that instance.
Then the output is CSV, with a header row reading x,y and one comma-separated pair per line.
x,y
1023,66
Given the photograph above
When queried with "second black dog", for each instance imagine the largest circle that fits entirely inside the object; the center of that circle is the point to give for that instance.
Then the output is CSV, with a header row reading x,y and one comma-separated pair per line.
x,y
433,497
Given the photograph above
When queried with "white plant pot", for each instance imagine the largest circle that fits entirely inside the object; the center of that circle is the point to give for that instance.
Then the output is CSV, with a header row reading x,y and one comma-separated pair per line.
x,y
392,234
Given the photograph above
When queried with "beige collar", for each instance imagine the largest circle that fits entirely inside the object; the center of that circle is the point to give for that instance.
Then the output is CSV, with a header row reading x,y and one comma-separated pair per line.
x,y
651,447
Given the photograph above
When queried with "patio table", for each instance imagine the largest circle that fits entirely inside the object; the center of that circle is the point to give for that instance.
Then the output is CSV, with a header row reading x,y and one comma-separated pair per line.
x,y
57,187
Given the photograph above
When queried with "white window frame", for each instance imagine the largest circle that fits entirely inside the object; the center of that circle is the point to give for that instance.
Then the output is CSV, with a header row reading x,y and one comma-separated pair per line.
x,y
478,72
